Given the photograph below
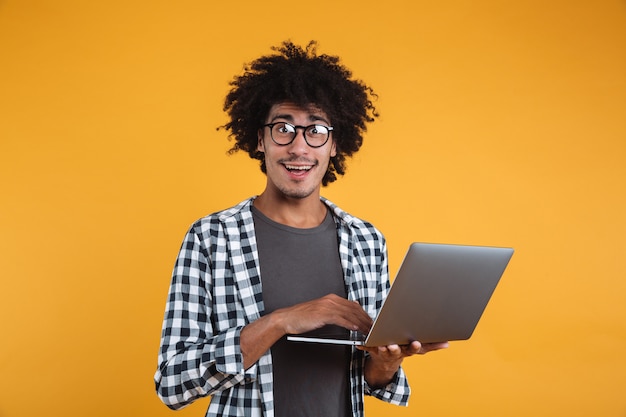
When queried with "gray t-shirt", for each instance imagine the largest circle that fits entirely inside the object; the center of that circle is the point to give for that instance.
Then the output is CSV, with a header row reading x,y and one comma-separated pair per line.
x,y
299,265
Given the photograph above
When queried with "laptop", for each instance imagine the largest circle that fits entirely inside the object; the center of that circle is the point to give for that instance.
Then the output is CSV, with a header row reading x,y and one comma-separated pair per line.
x,y
438,295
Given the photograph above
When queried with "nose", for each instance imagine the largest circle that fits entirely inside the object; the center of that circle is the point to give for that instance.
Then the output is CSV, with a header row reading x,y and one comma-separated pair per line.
x,y
299,145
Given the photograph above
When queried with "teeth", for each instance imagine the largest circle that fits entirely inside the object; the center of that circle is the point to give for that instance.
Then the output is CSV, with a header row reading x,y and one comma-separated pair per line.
x,y
298,167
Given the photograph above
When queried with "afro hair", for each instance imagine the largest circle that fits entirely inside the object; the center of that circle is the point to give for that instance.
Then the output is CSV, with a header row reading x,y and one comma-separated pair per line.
x,y
300,76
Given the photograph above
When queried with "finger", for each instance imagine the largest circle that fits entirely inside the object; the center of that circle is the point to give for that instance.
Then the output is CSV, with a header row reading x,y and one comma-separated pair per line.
x,y
330,309
414,348
394,349
430,347
351,315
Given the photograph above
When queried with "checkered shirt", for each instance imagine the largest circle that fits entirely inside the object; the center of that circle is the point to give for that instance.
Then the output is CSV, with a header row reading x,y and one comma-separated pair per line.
x,y
216,290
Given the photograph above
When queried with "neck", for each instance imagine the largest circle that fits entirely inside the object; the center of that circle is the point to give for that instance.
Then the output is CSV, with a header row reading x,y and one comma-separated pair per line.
x,y
295,212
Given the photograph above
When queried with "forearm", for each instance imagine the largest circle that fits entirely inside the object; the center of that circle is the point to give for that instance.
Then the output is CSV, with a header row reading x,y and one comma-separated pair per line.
x,y
258,337
394,391
378,374
195,368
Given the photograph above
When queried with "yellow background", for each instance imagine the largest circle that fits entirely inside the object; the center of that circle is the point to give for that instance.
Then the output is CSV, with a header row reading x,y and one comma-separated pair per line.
x,y
502,123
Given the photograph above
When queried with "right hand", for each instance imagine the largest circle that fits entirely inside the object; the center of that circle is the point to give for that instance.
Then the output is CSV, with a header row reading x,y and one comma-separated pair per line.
x,y
330,309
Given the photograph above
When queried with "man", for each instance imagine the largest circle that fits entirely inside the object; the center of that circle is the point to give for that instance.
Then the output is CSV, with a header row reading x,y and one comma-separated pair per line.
x,y
284,262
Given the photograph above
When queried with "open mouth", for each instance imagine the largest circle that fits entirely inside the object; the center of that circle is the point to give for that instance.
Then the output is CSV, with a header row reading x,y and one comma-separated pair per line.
x,y
298,169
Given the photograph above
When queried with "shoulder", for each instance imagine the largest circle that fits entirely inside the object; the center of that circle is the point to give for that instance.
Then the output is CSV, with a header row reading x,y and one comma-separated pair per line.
x,y
364,230
236,216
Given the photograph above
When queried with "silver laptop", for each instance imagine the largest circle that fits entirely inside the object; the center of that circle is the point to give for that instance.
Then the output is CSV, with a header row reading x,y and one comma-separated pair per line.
x,y
439,295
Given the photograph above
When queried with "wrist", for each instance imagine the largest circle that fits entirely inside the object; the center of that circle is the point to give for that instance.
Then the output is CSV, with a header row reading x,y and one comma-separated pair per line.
x,y
277,323
379,373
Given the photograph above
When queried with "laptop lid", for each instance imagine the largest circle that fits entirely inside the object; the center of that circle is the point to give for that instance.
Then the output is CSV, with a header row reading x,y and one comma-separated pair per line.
x,y
438,295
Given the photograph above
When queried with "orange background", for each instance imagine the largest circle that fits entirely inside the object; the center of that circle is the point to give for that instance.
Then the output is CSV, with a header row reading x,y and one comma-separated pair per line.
x,y
502,123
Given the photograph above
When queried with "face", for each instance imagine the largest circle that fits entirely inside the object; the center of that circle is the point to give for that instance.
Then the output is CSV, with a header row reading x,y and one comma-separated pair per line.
x,y
295,170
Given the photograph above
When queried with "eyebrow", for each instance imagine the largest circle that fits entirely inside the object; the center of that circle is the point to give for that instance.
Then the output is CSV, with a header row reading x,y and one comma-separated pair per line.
x,y
289,117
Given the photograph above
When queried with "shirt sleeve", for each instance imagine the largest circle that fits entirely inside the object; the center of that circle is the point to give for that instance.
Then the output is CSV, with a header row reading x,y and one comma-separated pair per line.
x,y
395,392
194,360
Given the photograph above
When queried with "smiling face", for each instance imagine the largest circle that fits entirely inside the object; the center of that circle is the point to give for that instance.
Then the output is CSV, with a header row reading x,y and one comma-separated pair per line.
x,y
295,170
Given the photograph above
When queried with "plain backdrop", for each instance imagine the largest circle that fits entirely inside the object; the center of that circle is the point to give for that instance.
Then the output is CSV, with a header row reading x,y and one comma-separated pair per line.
x,y
502,123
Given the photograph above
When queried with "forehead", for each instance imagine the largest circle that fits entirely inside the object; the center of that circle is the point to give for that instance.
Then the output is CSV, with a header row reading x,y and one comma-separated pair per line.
x,y
292,112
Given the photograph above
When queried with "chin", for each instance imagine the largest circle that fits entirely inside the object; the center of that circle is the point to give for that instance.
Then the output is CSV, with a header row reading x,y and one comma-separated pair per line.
x,y
298,193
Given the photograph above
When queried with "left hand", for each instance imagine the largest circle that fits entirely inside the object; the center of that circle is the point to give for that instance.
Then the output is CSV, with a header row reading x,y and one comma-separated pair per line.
x,y
384,361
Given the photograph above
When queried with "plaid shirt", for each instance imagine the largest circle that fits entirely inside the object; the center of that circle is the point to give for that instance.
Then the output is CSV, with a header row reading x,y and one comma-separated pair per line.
x,y
216,290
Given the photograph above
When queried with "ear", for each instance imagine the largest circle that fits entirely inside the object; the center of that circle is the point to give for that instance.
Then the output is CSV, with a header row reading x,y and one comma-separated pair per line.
x,y
333,149
260,145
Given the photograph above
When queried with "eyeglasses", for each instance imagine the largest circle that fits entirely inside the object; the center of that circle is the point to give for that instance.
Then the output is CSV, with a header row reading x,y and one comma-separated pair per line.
x,y
284,133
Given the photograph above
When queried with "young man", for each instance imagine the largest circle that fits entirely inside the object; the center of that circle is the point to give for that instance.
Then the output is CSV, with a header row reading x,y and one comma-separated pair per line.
x,y
284,262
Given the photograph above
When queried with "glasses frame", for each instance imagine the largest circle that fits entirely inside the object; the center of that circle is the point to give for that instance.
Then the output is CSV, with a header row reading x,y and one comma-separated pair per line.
x,y
295,133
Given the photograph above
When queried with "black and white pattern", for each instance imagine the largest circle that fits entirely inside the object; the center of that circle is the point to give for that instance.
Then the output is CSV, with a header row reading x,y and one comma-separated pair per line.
x,y
216,290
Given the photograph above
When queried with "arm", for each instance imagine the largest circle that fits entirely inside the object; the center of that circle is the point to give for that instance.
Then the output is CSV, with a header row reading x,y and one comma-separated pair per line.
x,y
383,362
259,336
382,373
195,359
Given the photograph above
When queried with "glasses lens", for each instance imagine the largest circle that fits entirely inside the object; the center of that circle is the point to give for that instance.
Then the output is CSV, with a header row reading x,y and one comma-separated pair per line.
x,y
283,133
316,135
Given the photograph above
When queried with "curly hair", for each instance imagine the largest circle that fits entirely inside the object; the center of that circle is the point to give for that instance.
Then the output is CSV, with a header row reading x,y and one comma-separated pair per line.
x,y
300,76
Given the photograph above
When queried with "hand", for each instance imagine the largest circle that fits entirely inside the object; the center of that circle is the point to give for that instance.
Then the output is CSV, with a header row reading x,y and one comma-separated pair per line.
x,y
384,361
257,337
396,353
330,309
